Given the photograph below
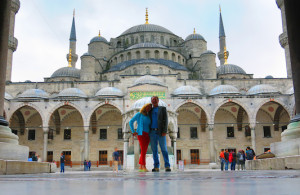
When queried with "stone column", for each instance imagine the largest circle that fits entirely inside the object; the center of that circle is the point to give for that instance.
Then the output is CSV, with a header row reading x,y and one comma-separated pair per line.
x,y
86,143
175,153
212,151
45,151
125,149
253,141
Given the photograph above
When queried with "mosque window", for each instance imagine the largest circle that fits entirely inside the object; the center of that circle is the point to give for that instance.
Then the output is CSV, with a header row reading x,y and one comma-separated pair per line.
x,y
194,133
175,42
67,134
195,156
120,133
138,55
103,133
173,57
103,157
119,44
136,40
131,40
178,132
166,55
31,134
50,156
156,53
267,131
179,75
230,132
142,38
147,54
122,57
128,56
178,155
50,134
147,70
283,128
162,40
134,71
179,59
152,38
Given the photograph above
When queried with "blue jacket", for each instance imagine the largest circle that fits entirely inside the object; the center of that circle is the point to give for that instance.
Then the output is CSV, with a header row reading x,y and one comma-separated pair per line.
x,y
141,120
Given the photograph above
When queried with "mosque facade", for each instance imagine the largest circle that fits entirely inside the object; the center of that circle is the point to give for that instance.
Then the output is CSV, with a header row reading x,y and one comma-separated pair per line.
x,y
85,112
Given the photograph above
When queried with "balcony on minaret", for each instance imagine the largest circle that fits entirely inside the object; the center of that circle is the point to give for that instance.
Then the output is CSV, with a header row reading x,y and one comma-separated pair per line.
x,y
12,43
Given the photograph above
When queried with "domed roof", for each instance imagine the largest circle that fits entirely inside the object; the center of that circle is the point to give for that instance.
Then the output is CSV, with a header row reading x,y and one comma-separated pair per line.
x,y
146,100
290,91
230,69
8,96
224,89
110,92
146,28
34,93
148,79
262,89
66,72
194,37
72,92
145,45
98,39
186,91
269,77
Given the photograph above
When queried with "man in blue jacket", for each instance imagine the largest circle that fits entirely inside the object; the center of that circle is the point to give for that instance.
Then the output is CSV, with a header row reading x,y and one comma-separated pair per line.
x,y
158,132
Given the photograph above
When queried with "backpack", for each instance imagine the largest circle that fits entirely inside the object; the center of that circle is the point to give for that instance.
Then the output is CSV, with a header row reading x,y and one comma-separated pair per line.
x,y
241,158
249,155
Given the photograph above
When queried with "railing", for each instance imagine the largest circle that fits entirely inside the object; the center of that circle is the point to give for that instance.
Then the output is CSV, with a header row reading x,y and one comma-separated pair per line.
x,y
93,163
196,162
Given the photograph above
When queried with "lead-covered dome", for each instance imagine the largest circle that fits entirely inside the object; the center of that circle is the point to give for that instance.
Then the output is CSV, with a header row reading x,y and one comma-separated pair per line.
x,y
72,92
34,93
109,92
146,45
146,28
194,37
146,100
224,89
148,79
230,69
66,72
98,39
186,91
262,89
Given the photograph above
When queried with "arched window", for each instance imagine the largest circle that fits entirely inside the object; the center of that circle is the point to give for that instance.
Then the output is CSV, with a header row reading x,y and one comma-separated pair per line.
x,y
173,57
128,56
136,40
134,71
115,60
119,44
122,57
156,54
142,38
138,55
179,75
162,40
179,59
161,71
175,43
131,40
166,55
147,70
169,71
147,54
152,38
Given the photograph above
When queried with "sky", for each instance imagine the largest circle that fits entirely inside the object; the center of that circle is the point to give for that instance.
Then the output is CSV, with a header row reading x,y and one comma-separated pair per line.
x,y
43,28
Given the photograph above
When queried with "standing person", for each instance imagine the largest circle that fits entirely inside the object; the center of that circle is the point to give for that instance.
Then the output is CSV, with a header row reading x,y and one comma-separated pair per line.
x,y
85,165
143,128
226,156
89,165
249,153
34,158
230,158
244,159
158,132
62,163
222,159
240,160
233,161
116,156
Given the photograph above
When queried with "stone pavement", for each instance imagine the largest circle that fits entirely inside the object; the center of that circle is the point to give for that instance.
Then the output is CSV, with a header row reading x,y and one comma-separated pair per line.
x,y
187,182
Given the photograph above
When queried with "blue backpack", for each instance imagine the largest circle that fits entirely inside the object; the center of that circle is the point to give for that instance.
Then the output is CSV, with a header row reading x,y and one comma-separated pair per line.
x,y
249,154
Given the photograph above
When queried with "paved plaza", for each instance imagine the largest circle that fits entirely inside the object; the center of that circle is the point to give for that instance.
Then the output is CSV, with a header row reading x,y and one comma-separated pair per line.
x,y
187,182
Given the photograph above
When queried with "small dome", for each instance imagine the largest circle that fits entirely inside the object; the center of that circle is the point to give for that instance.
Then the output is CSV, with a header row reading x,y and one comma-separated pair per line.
x,y
98,39
224,89
194,37
87,54
72,92
146,28
230,69
148,79
290,91
146,100
8,96
262,89
109,92
186,91
34,93
269,77
146,45
66,72
208,52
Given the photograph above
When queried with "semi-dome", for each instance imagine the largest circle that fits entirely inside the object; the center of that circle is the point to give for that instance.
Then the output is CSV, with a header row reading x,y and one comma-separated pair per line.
x,y
269,77
98,39
224,89
8,96
146,45
66,72
262,89
290,91
72,92
186,91
34,93
148,79
194,37
230,69
146,100
109,92
146,28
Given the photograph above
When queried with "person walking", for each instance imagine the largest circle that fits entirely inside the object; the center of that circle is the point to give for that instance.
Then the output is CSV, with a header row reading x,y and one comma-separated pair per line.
x,y
143,128
116,156
158,132
222,159
89,165
240,160
226,157
62,163
233,161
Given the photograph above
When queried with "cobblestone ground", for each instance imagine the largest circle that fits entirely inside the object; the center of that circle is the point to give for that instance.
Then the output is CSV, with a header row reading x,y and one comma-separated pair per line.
x,y
187,182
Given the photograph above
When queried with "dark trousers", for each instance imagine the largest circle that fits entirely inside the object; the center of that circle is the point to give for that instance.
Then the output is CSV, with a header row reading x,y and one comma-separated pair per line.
x,y
232,166
62,167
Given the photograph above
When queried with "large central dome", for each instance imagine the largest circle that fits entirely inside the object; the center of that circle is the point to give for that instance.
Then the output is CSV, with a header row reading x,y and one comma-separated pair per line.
x,y
146,28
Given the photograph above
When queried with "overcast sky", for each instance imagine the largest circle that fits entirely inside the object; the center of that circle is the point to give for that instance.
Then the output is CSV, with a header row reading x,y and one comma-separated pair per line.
x,y
43,29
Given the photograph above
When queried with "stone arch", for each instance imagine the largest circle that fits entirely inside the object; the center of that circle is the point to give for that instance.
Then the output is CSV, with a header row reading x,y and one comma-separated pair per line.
x,y
166,55
148,70
179,59
129,56
156,54
138,55
147,54
173,57
121,58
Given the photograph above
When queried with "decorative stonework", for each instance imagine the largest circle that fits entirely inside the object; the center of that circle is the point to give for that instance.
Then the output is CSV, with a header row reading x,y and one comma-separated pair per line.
x,y
15,6
12,43
283,40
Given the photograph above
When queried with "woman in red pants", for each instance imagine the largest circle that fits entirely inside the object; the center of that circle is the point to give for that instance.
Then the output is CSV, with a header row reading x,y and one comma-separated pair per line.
x,y
142,132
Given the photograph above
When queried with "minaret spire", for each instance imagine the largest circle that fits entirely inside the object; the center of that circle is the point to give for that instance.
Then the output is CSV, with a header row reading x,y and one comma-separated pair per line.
x,y
223,53
194,31
72,48
146,16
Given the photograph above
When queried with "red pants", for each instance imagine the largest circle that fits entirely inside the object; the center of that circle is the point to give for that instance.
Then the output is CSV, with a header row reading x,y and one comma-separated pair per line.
x,y
144,142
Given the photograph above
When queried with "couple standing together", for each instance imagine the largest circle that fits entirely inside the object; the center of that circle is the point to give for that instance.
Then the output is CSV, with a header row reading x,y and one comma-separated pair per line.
x,y
152,125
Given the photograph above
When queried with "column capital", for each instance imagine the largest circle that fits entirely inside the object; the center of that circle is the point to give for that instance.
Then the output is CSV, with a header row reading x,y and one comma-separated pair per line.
x,y
86,129
46,129
211,127
127,135
283,40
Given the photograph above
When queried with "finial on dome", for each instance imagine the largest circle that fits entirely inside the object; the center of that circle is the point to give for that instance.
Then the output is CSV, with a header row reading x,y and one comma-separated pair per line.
x,y
70,58
194,31
99,34
146,16
225,56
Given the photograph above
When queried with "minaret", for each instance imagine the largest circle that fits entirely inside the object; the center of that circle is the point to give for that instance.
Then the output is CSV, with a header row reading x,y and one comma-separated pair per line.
x,y
222,41
73,43
12,41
